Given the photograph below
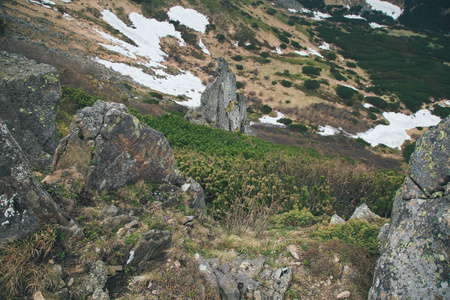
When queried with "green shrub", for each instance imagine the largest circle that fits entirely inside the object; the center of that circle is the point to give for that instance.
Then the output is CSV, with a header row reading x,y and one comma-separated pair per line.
x,y
255,25
239,67
440,111
298,128
408,150
283,38
283,46
345,92
156,95
151,101
295,218
286,83
377,101
264,54
296,45
266,109
358,233
239,84
309,70
220,37
237,58
271,11
330,55
350,64
311,84
78,96
285,121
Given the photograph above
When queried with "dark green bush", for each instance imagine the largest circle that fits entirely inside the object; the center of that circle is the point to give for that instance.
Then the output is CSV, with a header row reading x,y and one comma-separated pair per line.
x,y
239,67
309,70
285,121
220,37
237,58
271,11
311,84
298,128
156,95
239,84
377,101
283,38
264,54
345,92
407,151
296,45
440,111
350,64
330,55
283,46
266,109
255,25
151,101
286,83
78,96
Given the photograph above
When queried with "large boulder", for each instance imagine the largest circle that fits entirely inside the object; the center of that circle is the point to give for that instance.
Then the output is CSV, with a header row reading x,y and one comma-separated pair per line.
x,y
111,148
221,107
414,263
29,95
24,204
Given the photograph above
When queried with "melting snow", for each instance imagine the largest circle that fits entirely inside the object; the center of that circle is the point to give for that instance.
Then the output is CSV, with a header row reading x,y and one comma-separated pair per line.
x,y
376,25
302,53
394,134
356,17
349,86
278,51
189,17
272,120
387,8
148,47
203,47
447,102
130,259
318,16
292,10
315,52
67,16
367,105
325,46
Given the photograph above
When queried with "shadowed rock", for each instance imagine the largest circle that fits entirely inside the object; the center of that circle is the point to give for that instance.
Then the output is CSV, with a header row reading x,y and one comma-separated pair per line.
x,y
24,204
29,95
414,262
221,107
111,148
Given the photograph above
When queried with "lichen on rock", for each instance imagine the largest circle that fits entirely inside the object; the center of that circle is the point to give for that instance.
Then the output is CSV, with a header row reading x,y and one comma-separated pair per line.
x,y
111,148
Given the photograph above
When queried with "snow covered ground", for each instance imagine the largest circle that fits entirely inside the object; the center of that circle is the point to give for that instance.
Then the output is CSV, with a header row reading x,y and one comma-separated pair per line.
x,y
376,25
387,8
394,134
189,17
271,120
355,17
147,53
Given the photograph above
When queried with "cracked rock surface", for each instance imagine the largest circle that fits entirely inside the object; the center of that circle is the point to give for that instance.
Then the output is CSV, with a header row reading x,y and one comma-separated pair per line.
x,y
112,148
29,95
414,263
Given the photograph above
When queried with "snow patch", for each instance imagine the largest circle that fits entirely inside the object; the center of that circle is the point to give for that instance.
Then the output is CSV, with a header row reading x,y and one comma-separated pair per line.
x,y
189,17
387,8
367,105
277,51
203,47
315,52
349,86
302,53
292,10
355,17
67,16
130,259
447,102
325,46
328,130
376,25
272,120
319,16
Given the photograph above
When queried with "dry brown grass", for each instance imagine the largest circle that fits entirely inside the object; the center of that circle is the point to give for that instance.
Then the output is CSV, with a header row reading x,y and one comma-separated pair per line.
x,y
22,264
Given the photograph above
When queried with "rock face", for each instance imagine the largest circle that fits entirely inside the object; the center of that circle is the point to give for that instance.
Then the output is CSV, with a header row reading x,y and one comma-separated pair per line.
x,y
363,213
245,279
221,107
24,204
111,148
29,95
415,260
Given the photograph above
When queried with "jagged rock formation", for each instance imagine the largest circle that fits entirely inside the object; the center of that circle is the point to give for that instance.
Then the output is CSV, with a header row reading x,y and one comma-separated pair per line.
x,y
363,213
415,260
245,279
111,148
29,95
221,107
24,204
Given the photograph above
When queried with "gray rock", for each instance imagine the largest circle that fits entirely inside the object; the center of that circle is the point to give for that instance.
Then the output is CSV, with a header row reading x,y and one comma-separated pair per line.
x,y
335,219
343,295
363,213
282,279
430,162
111,148
29,95
153,244
24,204
382,235
221,107
193,189
95,281
414,262
228,287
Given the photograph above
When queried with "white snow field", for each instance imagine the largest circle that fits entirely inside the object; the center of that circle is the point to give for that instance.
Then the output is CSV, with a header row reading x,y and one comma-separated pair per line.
x,y
272,120
146,34
355,17
376,25
392,135
387,8
189,17
203,47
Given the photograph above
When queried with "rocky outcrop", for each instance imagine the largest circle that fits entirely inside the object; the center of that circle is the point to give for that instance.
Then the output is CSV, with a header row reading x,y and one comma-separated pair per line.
x,y
153,244
415,260
24,204
363,213
29,95
111,148
245,279
221,107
